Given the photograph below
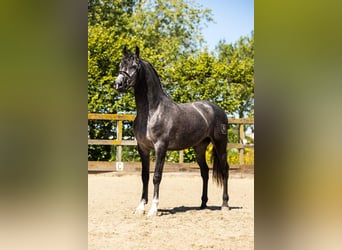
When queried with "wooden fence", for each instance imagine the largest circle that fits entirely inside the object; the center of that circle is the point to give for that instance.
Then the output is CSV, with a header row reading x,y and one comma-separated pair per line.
x,y
119,142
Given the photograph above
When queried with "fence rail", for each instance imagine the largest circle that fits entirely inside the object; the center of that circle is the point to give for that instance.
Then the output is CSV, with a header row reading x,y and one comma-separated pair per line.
x,y
181,166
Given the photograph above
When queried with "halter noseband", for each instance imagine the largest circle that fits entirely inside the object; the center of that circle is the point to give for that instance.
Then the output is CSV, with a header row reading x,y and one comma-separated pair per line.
x,y
126,75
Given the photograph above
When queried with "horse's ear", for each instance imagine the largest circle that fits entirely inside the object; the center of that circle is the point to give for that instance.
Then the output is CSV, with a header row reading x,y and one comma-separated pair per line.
x,y
137,51
125,52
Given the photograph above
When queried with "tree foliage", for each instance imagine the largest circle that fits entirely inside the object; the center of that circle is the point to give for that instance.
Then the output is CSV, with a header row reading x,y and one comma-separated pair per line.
x,y
169,36
240,73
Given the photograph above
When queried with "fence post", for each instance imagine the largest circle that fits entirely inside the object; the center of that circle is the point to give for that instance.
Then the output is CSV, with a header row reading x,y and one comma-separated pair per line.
x,y
119,137
241,139
181,156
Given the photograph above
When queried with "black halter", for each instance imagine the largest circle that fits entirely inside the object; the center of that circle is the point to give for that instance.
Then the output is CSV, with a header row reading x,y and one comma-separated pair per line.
x,y
125,73
128,76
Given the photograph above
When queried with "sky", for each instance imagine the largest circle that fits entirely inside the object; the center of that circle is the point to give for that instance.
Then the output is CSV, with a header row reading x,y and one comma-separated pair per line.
x,y
233,19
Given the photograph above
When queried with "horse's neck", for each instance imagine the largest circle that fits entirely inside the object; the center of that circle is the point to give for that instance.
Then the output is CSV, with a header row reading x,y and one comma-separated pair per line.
x,y
149,94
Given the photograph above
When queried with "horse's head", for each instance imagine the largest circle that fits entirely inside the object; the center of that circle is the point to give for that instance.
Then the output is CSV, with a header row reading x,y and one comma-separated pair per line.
x,y
128,70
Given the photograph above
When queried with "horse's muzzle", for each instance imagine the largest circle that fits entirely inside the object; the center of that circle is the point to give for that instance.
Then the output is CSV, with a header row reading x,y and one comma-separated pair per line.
x,y
120,84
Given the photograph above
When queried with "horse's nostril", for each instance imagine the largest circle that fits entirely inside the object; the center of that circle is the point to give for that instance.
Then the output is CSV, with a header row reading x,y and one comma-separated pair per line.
x,y
117,84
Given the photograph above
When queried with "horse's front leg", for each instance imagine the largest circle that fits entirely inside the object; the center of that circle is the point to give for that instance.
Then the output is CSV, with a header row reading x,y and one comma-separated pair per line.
x,y
145,176
158,172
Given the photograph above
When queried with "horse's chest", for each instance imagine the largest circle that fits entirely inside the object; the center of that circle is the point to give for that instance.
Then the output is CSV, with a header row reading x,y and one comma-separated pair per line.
x,y
148,133
145,134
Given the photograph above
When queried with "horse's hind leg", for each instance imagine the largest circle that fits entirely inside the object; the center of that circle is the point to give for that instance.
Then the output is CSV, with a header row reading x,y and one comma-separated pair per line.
x,y
200,158
222,168
145,175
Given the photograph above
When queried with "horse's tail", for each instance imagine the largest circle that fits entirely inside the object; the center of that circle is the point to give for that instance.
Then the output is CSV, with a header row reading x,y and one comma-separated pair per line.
x,y
220,168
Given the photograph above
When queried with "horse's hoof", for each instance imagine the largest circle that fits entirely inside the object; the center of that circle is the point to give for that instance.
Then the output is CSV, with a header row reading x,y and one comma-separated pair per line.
x,y
152,213
139,212
154,208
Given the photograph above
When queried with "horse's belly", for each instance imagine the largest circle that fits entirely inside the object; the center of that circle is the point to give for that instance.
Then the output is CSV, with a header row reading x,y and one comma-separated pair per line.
x,y
179,138
179,142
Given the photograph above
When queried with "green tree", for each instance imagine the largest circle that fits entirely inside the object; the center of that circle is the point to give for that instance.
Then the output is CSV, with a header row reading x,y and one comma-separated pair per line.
x,y
169,36
111,13
239,57
161,29
198,77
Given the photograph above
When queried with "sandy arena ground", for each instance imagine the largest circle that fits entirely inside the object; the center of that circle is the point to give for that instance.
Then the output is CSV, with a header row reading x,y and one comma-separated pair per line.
x,y
112,199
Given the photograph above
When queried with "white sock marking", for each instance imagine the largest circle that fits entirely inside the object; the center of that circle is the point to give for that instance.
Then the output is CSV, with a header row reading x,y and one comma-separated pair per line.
x,y
141,208
154,208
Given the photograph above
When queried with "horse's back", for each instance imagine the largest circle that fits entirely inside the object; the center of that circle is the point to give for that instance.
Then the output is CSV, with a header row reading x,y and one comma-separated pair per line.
x,y
209,110
218,119
205,116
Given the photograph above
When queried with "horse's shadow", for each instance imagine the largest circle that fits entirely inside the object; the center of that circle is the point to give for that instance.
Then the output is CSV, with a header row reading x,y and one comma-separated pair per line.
x,y
183,209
